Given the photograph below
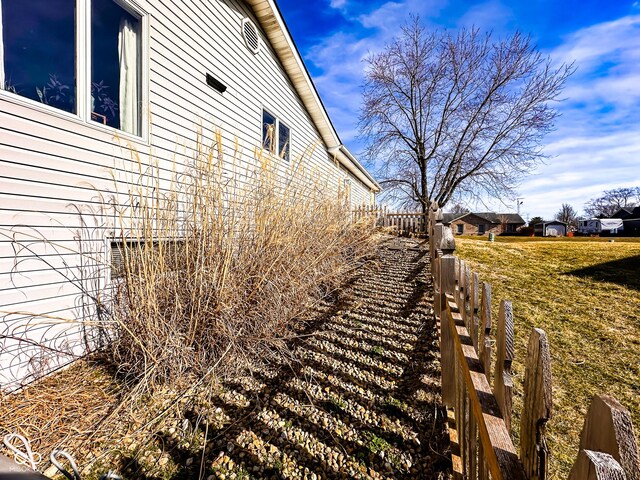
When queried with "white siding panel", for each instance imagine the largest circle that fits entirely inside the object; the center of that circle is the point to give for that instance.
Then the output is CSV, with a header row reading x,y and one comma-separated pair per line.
x,y
51,163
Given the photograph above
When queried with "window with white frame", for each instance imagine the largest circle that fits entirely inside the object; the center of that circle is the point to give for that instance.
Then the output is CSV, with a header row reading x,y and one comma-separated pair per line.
x,y
43,58
276,135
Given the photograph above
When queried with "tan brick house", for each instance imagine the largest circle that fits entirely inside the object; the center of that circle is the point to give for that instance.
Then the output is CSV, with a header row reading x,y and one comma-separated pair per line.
x,y
484,223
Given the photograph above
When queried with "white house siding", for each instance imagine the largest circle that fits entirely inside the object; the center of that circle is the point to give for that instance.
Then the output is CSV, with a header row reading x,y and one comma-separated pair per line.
x,y
51,164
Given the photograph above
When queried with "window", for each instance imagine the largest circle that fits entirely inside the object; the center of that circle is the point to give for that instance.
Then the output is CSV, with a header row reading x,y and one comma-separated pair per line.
x,y
481,229
38,51
460,228
115,66
346,183
43,59
284,138
275,133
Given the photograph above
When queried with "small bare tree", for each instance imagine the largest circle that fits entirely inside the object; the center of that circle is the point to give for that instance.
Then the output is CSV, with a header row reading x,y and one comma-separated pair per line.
x,y
568,215
458,208
461,114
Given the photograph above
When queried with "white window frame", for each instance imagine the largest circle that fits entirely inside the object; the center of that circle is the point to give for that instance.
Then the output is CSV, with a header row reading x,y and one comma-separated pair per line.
x,y
83,75
275,144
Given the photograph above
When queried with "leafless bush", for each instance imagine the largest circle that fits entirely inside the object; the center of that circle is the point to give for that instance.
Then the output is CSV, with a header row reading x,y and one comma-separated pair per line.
x,y
219,269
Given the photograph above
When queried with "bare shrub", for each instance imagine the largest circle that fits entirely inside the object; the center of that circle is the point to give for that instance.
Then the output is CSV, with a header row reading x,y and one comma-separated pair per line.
x,y
221,268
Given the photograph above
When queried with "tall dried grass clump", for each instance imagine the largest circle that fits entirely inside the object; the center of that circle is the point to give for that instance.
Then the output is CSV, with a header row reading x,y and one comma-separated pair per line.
x,y
224,261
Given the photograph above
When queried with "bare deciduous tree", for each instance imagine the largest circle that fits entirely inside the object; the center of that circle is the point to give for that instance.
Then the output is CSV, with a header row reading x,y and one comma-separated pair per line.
x,y
568,215
459,209
611,201
461,114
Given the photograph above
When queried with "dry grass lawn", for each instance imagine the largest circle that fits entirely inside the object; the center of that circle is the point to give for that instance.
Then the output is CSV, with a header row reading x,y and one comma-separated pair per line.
x,y
585,293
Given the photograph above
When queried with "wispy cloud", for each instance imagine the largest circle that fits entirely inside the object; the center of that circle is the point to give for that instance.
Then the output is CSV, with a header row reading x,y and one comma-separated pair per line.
x,y
491,15
340,56
597,142
338,4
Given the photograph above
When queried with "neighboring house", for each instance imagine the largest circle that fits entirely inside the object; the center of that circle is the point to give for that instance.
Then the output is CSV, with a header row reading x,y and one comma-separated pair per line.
x,y
484,223
611,226
632,227
81,91
554,228
627,212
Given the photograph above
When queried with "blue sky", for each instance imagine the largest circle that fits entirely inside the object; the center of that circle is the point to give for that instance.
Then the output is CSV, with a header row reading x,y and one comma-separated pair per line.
x,y
596,144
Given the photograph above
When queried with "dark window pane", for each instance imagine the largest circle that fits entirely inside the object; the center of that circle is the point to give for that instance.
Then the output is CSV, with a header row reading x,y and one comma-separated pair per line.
x,y
284,139
39,43
115,66
268,130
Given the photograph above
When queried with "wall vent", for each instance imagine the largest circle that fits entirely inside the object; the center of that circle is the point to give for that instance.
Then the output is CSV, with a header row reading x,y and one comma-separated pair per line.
x,y
250,35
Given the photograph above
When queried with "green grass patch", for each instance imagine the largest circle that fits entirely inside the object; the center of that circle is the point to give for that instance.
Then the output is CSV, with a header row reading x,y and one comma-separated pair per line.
x,y
377,350
375,444
585,293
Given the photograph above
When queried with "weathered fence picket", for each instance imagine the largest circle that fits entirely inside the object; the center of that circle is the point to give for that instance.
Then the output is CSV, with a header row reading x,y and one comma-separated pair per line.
x,y
480,416
503,383
404,223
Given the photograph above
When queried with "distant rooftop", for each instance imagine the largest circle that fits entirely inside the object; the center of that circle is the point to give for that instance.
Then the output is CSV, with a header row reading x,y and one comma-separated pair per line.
x,y
490,217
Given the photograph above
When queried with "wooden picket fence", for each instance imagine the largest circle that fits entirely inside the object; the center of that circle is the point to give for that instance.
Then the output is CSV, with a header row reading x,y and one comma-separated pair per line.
x,y
480,412
404,223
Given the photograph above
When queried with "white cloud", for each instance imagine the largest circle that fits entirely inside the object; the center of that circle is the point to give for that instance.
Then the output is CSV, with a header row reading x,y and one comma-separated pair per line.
x,y
338,4
491,16
597,142
596,146
341,56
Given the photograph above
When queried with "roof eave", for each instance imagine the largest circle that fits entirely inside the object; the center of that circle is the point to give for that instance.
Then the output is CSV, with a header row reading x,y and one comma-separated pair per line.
x,y
272,22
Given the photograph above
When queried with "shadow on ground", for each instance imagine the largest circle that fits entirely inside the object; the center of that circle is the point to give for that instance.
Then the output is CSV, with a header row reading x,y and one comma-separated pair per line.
x,y
624,272
362,401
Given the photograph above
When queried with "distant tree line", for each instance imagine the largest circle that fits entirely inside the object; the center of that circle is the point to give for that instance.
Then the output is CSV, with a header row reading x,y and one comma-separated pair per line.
x,y
604,206
611,201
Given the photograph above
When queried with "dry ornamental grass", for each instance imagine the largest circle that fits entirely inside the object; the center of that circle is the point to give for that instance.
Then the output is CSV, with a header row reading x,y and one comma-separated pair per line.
x,y
222,263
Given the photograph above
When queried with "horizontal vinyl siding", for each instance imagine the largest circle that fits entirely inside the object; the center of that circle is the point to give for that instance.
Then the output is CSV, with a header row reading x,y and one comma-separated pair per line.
x,y
51,165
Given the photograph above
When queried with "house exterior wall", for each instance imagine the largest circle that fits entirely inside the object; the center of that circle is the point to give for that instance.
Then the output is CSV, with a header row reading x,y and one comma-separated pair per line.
x,y
52,164
471,226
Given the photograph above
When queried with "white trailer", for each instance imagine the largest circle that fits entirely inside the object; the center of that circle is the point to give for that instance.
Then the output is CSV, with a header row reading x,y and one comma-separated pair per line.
x,y
599,225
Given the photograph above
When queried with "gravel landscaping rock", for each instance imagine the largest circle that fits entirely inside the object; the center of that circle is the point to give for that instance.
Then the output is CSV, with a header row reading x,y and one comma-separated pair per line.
x,y
362,398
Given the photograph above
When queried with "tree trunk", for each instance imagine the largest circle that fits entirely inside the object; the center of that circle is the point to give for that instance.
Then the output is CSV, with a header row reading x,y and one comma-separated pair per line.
x,y
424,193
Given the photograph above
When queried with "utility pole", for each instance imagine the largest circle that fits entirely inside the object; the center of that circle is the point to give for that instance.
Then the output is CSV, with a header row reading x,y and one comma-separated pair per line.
x,y
519,201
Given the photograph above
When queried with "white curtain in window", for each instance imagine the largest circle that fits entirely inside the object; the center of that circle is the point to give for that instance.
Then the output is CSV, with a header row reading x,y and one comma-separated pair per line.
x,y
1,51
128,52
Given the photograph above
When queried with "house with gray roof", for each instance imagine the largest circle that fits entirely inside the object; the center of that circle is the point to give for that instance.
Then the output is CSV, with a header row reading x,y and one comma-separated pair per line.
x,y
483,223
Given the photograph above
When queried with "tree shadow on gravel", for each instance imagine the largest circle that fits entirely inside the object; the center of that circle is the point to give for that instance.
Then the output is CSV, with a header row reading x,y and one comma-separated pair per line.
x,y
363,404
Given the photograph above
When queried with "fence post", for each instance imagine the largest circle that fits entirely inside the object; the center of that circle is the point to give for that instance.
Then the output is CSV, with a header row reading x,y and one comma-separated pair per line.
x,y
474,307
537,407
466,314
485,329
596,466
435,239
447,272
460,267
503,383
607,443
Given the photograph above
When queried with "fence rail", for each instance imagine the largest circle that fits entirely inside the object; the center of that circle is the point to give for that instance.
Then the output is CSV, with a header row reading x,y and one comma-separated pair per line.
x,y
403,222
480,413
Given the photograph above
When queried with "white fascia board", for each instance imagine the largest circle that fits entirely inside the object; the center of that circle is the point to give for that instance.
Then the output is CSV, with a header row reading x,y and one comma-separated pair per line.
x,y
271,21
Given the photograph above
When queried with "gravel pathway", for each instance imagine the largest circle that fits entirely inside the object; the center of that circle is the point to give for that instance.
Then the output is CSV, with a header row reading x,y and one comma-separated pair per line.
x,y
362,402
